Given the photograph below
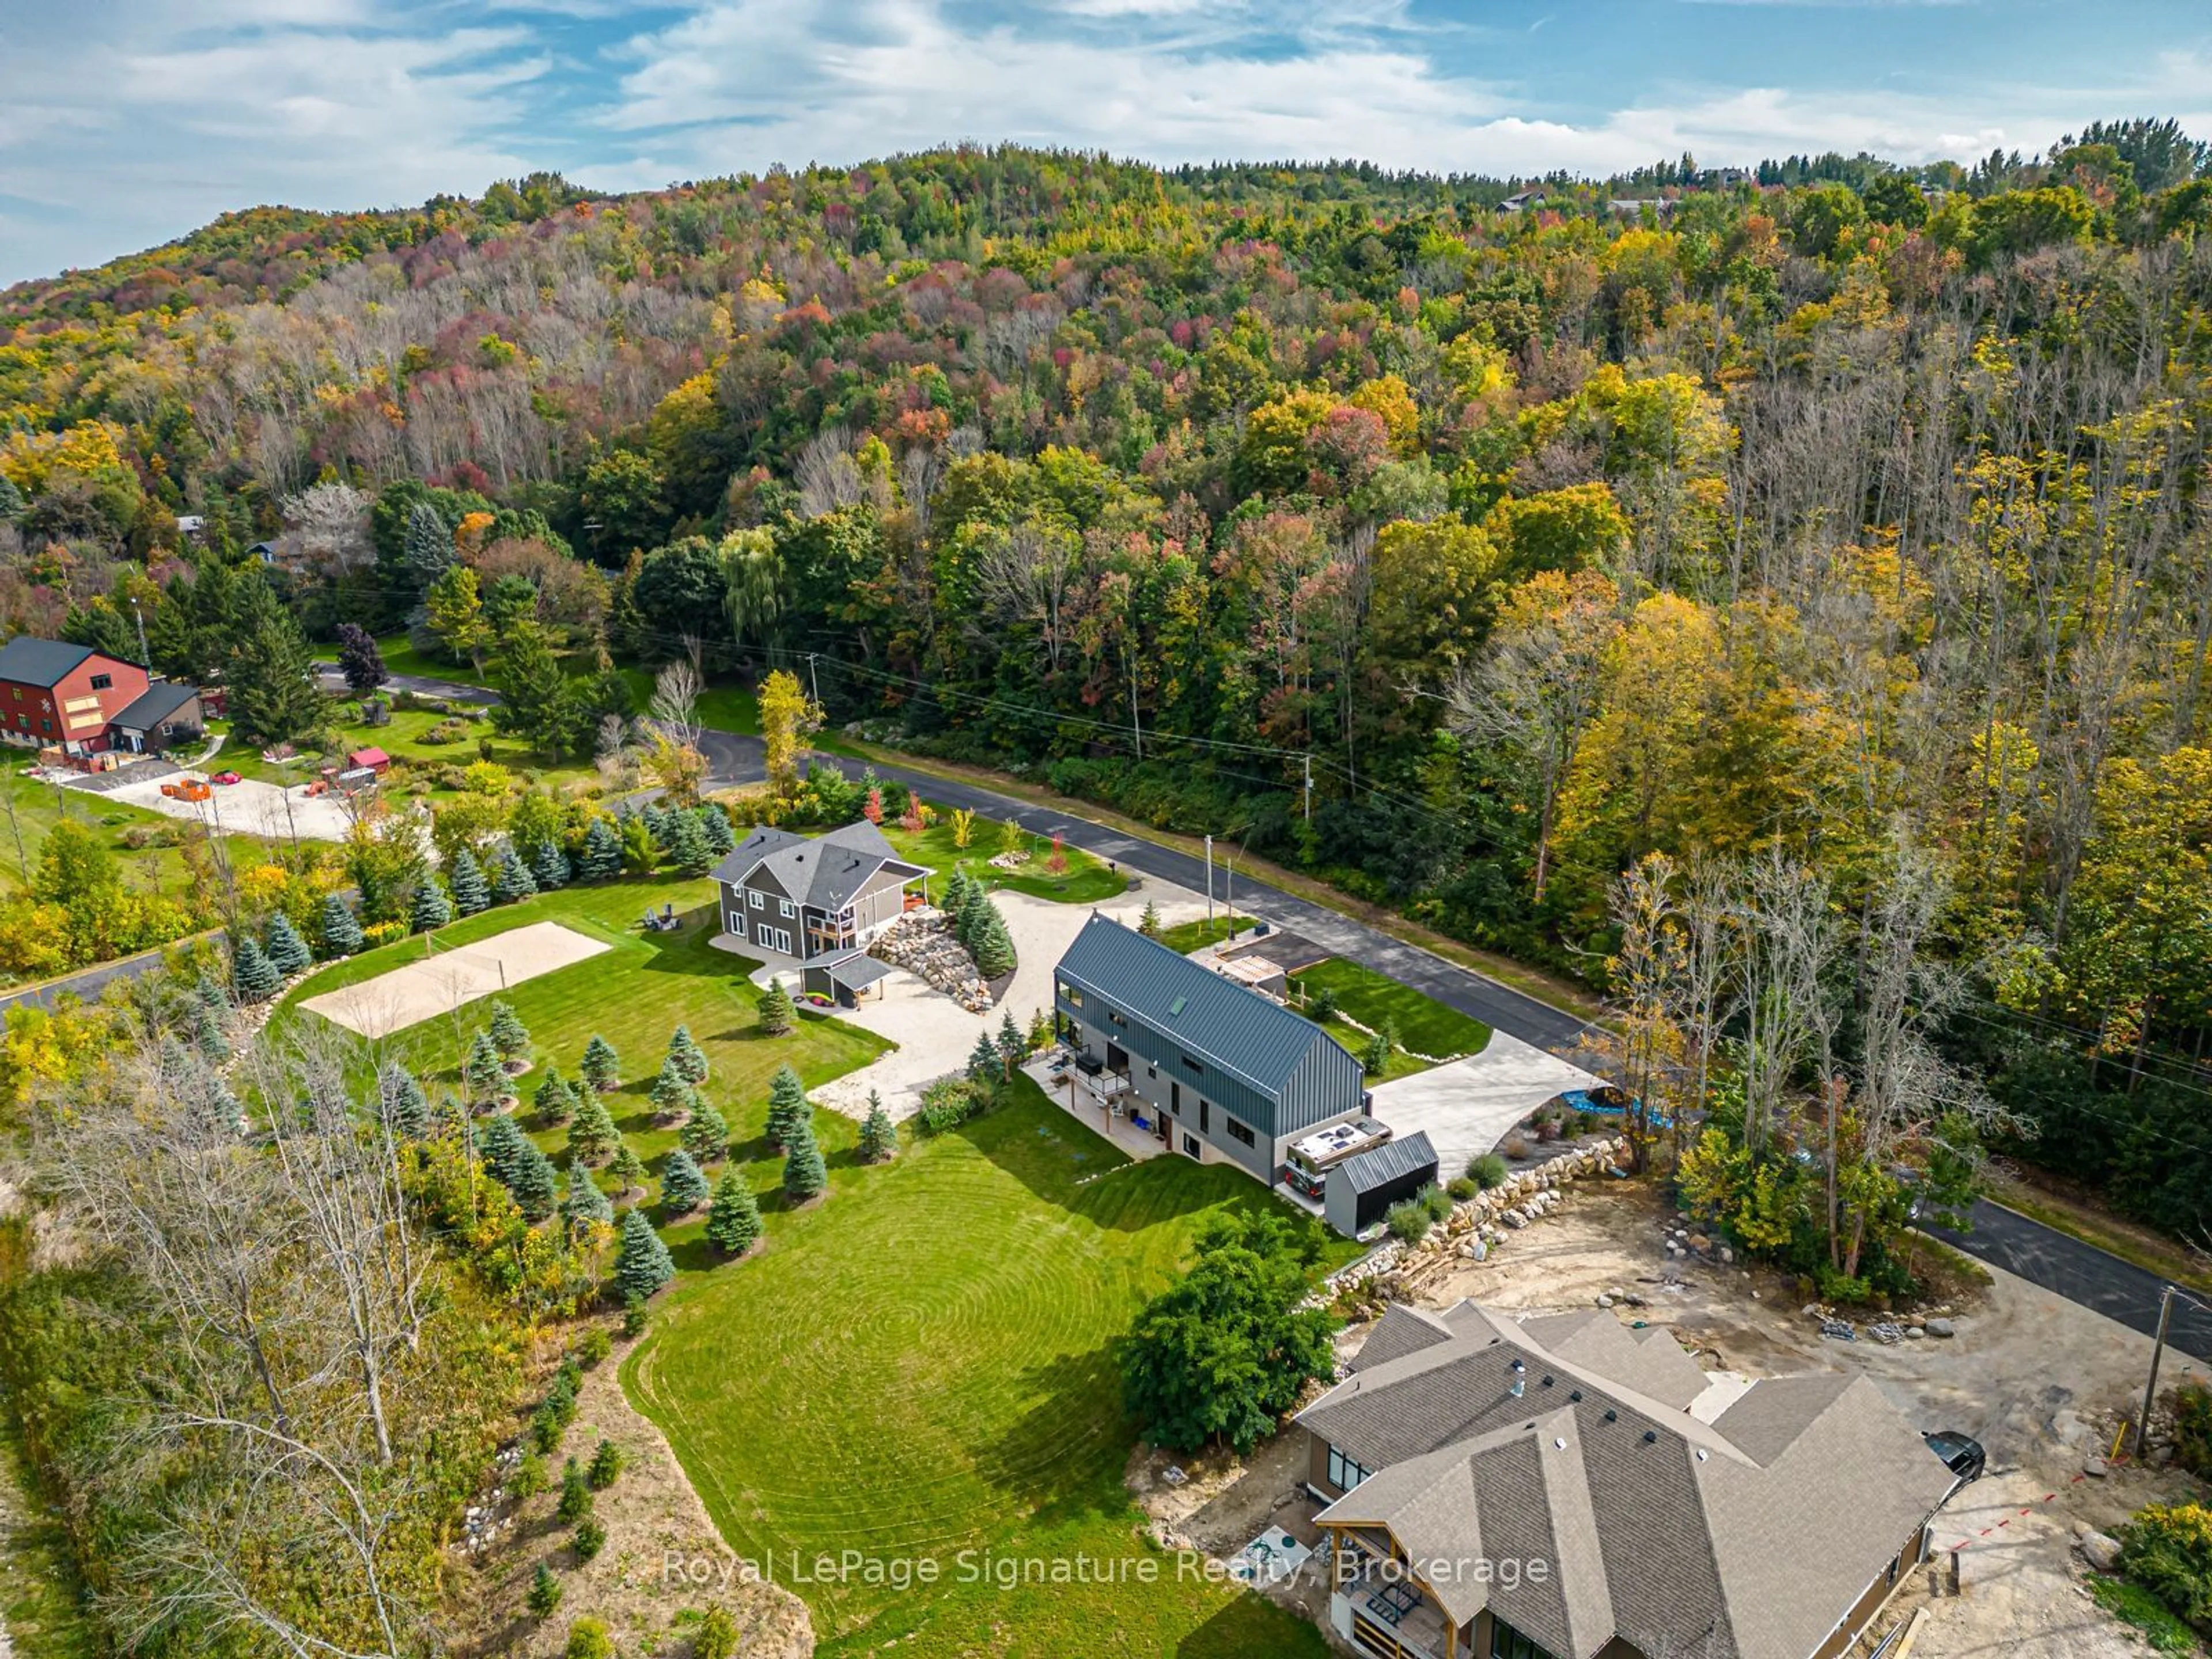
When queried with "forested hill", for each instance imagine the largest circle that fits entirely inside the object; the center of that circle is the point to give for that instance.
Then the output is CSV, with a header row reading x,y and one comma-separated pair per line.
x,y
1835,523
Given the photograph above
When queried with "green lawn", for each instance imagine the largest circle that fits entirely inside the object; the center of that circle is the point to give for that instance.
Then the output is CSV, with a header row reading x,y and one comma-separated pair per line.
x,y
1425,1024
39,806
1188,936
923,1365
1085,881
402,739
635,996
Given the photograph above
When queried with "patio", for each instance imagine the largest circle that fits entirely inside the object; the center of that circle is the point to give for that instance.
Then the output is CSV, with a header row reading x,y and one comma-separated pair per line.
x,y
1073,1092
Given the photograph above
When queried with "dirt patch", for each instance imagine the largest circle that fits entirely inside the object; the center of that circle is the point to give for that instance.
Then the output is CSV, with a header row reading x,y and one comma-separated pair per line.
x,y
1223,1501
651,1516
442,982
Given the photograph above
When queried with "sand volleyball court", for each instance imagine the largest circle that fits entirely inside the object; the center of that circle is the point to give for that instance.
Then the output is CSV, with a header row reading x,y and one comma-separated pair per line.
x,y
446,979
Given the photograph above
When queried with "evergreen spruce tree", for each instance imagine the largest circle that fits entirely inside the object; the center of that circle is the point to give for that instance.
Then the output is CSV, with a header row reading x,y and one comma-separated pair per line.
x,y
682,1188
402,1101
705,1135
689,849
428,546
500,1141
983,1061
672,1096
592,1134
575,1495
508,1034
341,931
975,911
957,886
208,1034
788,1109
607,1465
721,839
211,996
686,1056
805,1176
286,952
642,1264
778,1013
733,1225
472,892
583,1204
1375,1059
482,1071
1013,1044
514,882
602,851
656,825
602,1066
544,1598
555,1100
627,1167
549,867
430,909
535,1185
993,946
1149,923
254,977
878,1135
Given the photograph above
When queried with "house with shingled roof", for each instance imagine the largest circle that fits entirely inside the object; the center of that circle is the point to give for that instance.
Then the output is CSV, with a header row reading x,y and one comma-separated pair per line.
x,y
796,900
1566,1487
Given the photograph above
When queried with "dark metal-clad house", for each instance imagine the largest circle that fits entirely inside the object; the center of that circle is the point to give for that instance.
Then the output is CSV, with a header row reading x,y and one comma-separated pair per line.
x,y
1222,1073
1362,1187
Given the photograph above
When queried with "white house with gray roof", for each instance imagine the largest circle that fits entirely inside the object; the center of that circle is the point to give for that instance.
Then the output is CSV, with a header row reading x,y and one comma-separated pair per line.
x,y
1551,1489
797,900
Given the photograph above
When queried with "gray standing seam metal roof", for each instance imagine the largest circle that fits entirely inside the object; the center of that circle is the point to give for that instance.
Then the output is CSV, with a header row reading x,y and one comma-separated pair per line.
x,y
1252,1037
855,972
155,705
1378,1166
1746,1539
29,661
823,871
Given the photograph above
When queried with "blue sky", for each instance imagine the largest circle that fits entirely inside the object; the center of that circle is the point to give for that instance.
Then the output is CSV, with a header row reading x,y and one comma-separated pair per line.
x,y
125,123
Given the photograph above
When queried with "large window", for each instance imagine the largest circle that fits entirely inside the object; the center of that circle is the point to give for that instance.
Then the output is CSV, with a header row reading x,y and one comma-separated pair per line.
x,y
1507,1642
1239,1132
102,682
1073,997
1343,1473
738,924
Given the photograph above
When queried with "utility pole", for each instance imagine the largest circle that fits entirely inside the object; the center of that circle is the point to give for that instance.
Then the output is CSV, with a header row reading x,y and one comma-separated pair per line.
x,y
145,657
2157,1349
813,680
1309,763
1136,728
1209,886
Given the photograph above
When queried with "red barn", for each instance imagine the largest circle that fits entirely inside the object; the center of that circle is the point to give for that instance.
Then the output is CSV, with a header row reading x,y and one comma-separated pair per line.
x,y
64,697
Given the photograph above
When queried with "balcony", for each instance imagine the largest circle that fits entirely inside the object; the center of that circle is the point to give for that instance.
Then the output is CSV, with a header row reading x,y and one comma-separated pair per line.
x,y
1393,1618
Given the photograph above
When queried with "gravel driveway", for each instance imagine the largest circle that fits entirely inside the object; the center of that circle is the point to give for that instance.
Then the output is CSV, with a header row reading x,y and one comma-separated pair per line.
x,y
251,807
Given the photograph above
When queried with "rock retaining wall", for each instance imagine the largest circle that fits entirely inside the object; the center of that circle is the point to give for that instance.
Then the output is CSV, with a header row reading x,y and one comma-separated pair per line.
x,y
922,942
1477,1225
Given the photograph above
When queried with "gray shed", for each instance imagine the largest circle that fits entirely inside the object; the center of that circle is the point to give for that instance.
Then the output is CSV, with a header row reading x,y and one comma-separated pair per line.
x,y
1364,1187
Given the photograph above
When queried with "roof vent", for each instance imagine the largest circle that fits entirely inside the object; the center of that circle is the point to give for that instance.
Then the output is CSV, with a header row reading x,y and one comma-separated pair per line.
x,y
1576,1396
1547,1382
1650,1436
1611,1416
1701,1453
1559,1445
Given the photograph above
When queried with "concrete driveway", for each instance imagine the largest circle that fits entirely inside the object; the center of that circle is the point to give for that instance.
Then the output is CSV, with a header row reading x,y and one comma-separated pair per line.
x,y
1467,1106
251,807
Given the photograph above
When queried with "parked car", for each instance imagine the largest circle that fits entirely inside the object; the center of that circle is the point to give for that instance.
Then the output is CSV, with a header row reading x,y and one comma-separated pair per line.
x,y
226,777
1961,1453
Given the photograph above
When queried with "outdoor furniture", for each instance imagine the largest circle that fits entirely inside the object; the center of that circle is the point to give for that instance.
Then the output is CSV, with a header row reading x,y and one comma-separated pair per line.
x,y
1392,1602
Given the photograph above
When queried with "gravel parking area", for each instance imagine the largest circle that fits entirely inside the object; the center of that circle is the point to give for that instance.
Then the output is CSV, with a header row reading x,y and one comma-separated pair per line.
x,y
250,808
1467,1106
935,1035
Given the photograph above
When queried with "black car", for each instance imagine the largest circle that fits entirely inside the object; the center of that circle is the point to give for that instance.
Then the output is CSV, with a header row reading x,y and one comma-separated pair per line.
x,y
1961,1453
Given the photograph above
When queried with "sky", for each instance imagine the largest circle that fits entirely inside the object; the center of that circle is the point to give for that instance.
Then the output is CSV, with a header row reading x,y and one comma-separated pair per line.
x,y
125,123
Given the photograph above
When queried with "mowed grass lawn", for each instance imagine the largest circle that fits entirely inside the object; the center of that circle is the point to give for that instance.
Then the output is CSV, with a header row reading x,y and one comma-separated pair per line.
x,y
923,1365
636,995
1425,1025
1085,881
39,806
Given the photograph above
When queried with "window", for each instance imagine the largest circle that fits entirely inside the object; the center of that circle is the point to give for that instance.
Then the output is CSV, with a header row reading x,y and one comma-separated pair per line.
x,y
1117,1019
738,923
783,909
1239,1132
46,727
1191,1064
1507,1642
1191,1149
760,900
1205,1106
102,682
1070,996
1343,1473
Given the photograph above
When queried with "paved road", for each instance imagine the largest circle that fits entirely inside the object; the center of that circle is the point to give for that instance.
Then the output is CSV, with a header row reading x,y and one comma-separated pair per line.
x,y
2080,1272
86,985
